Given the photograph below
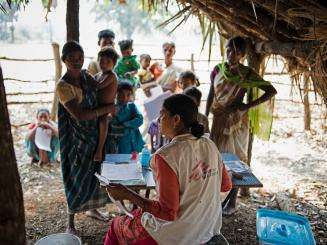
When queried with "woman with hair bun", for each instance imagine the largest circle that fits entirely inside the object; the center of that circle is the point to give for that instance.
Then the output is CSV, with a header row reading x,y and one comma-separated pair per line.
x,y
188,174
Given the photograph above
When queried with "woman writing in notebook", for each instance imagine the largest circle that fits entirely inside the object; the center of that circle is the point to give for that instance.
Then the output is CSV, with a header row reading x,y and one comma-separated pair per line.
x,y
189,177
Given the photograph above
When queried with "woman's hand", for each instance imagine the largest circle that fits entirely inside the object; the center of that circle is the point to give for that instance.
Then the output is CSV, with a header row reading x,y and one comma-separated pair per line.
x,y
118,191
238,106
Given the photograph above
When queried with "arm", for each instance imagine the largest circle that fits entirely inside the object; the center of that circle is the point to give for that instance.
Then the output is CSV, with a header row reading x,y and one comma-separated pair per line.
x,y
209,99
31,133
226,182
171,86
214,72
82,114
109,80
269,90
168,189
54,129
137,119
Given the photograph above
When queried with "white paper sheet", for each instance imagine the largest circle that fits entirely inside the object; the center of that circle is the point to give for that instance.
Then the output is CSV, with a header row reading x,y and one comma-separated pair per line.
x,y
43,139
114,172
153,105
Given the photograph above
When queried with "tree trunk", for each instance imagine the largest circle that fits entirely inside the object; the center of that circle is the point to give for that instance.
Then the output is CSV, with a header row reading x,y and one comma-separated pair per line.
x,y
254,61
58,66
12,219
72,20
306,103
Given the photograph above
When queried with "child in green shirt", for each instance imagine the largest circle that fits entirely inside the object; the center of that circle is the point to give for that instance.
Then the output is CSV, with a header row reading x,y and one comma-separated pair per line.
x,y
127,66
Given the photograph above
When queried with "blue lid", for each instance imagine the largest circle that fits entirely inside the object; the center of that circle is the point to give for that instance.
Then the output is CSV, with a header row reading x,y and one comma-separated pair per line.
x,y
278,227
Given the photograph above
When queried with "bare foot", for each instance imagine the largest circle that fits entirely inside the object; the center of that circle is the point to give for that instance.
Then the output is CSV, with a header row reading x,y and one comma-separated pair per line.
x,y
97,215
71,230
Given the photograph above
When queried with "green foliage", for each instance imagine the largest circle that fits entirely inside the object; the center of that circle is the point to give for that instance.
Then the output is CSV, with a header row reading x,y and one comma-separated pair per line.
x,y
132,16
7,18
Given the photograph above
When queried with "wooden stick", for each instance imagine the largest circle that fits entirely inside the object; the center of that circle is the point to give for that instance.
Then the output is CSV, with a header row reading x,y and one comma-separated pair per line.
x,y
58,67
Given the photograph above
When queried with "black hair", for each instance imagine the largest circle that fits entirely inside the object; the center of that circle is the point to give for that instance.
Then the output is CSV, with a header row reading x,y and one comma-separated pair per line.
x,y
193,92
185,107
238,43
70,47
145,56
107,33
109,53
124,86
125,44
169,44
42,110
190,75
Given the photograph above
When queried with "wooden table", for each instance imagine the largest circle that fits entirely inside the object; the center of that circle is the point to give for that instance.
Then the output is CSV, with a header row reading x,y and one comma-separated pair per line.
x,y
248,178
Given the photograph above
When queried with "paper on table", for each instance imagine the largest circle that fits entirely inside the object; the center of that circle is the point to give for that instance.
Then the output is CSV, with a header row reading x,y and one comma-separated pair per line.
x,y
130,171
237,166
104,182
43,139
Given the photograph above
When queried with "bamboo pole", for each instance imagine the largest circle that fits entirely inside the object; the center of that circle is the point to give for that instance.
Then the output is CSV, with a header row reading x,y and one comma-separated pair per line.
x,y
58,68
306,103
192,62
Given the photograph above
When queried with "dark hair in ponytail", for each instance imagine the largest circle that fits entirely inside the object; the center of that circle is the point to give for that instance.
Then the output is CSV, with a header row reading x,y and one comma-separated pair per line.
x,y
185,107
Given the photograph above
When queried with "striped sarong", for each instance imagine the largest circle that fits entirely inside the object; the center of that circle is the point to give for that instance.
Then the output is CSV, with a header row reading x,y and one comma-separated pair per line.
x,y
78,141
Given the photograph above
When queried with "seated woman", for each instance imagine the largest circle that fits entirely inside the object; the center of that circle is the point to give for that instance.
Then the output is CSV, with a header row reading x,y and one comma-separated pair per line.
x,y
39,155
188,174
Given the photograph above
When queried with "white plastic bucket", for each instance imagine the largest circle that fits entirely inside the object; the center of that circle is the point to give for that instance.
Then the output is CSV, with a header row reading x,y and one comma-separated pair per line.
x,y
60,239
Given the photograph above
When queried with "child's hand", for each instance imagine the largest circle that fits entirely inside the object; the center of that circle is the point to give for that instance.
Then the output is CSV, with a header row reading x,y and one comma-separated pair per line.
x,y
128,74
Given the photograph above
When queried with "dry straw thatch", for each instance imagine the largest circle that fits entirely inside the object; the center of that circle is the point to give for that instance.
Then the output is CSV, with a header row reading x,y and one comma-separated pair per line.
x,y
294,29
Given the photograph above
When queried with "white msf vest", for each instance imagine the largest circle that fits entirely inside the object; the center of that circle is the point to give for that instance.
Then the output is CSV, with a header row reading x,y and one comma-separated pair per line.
x,y
198,166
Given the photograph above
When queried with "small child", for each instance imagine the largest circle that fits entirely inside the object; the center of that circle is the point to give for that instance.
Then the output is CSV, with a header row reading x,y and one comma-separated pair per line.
x,y
125,124
196,95
38,155
187,79
127,66
145,76
107,89
156,70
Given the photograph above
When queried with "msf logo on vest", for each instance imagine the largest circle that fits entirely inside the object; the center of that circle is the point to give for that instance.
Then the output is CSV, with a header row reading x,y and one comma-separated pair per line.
x,y
201,171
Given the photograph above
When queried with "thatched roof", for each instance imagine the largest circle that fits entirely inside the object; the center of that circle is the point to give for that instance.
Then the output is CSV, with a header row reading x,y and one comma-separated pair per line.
x,y
294,29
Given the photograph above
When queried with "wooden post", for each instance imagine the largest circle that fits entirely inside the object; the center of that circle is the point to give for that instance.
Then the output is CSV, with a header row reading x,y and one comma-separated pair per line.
x,y
306,102
12,218
192,62
72,20
58,67
254,61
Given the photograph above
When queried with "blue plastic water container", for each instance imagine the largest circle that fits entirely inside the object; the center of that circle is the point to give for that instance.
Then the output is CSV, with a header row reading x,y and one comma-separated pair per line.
x,y
145,157
283,228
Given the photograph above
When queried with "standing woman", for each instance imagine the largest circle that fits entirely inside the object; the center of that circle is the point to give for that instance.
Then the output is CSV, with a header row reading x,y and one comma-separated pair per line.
x,y
188,174
78,136
230,82
169,77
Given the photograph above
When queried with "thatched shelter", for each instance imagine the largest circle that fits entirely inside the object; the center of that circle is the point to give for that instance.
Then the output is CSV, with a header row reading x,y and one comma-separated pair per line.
x,y
295,29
